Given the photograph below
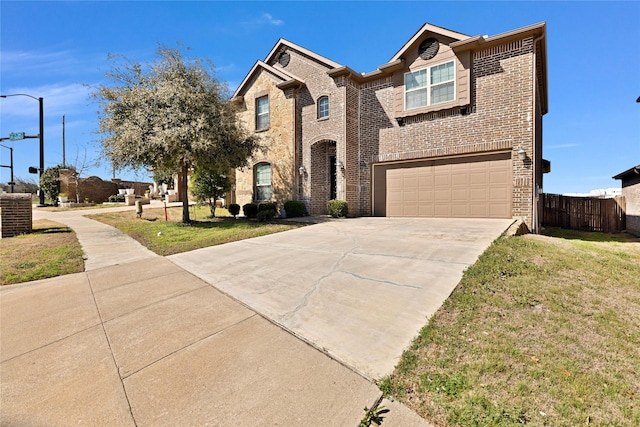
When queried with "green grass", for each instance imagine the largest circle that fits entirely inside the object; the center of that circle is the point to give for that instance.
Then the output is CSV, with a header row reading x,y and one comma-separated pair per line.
x,y
171,237
50,250
540,331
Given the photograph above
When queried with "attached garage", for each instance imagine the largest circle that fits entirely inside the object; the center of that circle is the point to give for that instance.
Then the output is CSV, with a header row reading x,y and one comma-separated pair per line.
x,y
458,187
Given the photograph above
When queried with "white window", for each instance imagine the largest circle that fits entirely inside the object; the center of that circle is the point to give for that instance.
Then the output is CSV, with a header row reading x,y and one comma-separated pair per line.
x,y
323,107
429,86
262,178
262,113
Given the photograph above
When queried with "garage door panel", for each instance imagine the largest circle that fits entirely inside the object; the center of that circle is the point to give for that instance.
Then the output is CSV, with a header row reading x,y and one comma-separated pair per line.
x,y
461,187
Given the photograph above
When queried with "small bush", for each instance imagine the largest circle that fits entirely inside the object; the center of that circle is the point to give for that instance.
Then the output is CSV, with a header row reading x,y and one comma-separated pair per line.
x,y
117,198
234,209
250,210
295,208
265,215
338,208
267,206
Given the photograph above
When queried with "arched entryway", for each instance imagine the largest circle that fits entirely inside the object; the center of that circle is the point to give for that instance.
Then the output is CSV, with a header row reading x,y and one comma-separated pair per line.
x,y
323,180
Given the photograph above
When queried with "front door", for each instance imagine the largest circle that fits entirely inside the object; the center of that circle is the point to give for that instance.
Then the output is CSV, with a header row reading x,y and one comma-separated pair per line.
x,y
332,177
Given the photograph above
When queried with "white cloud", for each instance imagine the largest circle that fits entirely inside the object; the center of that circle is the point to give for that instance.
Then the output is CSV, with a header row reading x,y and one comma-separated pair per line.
x,y
57,99
269,19
266,19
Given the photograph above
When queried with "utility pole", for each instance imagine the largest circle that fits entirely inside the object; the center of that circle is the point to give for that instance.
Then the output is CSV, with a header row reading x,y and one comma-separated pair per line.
x,y
64,161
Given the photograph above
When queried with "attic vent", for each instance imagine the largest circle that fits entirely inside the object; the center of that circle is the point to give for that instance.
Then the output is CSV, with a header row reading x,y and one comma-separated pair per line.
x,y
428,48
284,58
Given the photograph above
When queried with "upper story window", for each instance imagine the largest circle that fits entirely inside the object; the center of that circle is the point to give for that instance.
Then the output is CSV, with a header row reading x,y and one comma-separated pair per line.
x,y
429,86
323,107
262,113
262,182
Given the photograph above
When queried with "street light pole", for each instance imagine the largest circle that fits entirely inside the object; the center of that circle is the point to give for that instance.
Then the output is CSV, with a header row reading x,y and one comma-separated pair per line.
x,y
41,193
41,137
11,183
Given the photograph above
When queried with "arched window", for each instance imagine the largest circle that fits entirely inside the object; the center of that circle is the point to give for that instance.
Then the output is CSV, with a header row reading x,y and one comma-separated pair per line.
x,y
262,182
323,107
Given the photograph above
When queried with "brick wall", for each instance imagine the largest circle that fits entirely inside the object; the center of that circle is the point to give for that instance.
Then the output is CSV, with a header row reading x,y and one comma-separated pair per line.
x,y
501,118
15,214
94,189
631,193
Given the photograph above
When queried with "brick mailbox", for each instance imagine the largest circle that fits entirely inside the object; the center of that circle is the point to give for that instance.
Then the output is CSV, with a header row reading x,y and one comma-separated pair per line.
x,y
15,214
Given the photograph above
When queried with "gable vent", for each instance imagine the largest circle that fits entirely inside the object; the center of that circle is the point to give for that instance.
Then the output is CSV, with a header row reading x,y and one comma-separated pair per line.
x,y
428,48
283,59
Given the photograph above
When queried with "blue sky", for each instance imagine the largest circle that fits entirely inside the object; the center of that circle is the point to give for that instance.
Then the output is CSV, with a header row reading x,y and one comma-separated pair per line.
x,y
55,49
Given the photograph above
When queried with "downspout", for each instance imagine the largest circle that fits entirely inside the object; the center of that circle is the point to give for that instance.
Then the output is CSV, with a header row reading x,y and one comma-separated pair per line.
x,y
535,196
297,160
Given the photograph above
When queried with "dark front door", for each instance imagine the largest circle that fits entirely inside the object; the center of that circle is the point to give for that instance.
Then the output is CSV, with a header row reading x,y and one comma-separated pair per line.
x,y
332,177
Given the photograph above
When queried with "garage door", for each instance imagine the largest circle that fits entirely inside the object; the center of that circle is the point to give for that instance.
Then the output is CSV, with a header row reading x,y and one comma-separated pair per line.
x,y
465,187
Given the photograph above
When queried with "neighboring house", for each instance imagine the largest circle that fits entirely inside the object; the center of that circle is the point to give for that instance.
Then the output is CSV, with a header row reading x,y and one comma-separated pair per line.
x,y
631,192
450,126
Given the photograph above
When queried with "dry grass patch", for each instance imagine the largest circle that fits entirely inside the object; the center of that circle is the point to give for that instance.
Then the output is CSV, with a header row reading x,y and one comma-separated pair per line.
x,y
542,330
50,250
171,237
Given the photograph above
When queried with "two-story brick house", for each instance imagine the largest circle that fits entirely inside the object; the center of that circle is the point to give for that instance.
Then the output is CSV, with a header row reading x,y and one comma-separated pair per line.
x,y
450,126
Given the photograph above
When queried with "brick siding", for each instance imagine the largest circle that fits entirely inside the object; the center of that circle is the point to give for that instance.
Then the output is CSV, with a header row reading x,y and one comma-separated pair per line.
x,y
631,193
363,129
16,214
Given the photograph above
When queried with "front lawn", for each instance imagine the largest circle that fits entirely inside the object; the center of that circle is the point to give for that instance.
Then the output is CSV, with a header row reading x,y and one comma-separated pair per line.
x,y
542,330
171,237
50,250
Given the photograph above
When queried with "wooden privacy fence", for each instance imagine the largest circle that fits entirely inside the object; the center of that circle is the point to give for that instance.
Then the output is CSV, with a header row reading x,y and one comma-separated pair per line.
x,y
583,213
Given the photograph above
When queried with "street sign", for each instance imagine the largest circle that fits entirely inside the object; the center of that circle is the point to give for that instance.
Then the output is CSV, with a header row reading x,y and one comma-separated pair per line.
x,y
33,169
16,136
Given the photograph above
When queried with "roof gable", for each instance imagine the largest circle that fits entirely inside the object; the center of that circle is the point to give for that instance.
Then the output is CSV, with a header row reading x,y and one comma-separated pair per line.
x,y
282,44
430,29
279,74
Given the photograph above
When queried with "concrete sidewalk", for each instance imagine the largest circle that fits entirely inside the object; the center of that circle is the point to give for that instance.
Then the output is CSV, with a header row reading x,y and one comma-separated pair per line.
x,y
145,343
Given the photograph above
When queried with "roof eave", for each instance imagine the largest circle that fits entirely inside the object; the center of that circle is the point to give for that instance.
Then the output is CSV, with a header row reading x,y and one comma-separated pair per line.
x,y
280,74
534,30
326,61
631,171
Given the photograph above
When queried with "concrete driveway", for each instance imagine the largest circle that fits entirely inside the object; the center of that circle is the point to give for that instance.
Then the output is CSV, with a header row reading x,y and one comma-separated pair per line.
x,y
358,289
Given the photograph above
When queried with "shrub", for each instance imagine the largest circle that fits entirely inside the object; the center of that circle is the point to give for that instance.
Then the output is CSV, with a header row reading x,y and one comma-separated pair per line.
x,y
265,214
267,206
234,209
295,208
117,198
250,210
338,208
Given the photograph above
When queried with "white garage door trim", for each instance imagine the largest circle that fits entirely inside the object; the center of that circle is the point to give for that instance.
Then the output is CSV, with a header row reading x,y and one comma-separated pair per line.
x,y
477,186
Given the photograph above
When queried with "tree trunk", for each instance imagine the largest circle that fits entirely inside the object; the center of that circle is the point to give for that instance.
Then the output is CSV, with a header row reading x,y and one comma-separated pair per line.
x,y
184,193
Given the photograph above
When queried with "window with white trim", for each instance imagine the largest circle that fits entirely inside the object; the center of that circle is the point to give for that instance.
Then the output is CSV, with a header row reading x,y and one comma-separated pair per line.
x,y
429,86
323,107
262,113
262,178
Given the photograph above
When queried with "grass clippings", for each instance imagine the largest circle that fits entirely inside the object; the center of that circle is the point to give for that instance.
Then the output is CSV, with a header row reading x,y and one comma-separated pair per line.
x,y
50,250
172,236
542,331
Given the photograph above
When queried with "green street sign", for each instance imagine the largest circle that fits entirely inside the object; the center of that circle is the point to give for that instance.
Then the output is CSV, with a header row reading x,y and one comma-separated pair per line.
x,y
16,136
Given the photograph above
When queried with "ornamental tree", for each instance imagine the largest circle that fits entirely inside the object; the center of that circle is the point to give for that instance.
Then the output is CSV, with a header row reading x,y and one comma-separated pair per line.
x,y
170,114
209,185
